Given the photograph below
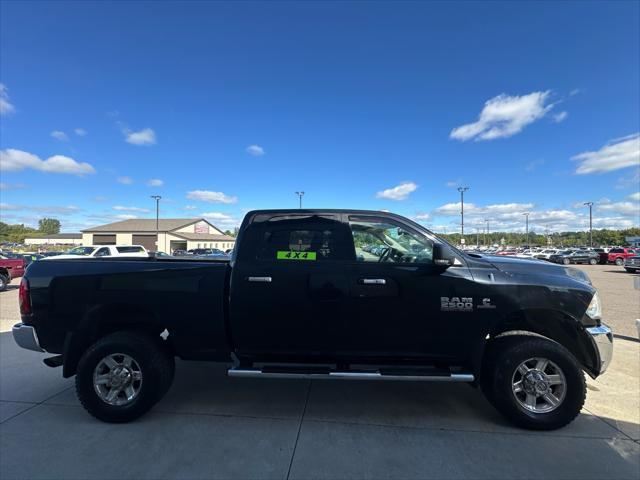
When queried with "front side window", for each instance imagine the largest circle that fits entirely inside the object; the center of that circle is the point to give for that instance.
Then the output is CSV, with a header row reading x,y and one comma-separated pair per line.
x,y
384,240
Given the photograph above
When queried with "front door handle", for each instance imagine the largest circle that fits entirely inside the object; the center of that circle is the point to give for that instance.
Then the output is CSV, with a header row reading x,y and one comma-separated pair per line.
x,y
372,281
259,279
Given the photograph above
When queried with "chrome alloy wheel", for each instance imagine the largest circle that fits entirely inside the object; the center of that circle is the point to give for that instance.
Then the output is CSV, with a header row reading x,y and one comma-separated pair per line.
x,y
539,385
117,379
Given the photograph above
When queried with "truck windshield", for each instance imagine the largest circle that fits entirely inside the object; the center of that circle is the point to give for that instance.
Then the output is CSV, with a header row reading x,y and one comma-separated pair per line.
x,y
81,251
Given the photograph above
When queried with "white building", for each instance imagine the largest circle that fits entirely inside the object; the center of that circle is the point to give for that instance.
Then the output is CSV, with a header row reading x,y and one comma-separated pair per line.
x,y
172,234
55,239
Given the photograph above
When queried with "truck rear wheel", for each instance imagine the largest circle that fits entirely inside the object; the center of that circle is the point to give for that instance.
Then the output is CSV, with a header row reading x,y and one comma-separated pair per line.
x,y
535,383
4,281
619,261
123,375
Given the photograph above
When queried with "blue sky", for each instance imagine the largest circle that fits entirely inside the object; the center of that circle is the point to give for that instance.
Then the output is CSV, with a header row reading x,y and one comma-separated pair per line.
x,y
235,106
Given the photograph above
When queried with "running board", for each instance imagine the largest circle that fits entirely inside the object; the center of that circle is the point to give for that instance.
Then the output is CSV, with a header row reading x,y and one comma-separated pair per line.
x,y
350,375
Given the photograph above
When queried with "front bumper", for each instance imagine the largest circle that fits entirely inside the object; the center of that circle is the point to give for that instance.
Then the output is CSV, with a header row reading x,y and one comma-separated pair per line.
x,y
25,336
602,338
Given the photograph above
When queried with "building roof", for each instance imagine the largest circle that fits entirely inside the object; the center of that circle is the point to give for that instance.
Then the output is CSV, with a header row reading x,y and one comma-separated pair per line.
x,y
207,237
145,225
74,236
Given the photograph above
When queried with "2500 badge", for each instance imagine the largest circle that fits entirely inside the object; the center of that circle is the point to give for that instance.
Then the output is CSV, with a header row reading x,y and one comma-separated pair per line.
x,y
462,304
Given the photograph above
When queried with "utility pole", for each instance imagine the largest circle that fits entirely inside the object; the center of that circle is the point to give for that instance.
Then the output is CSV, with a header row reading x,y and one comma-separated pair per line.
x,y
157,199
526,216
487,232
590,205
300,195
462,190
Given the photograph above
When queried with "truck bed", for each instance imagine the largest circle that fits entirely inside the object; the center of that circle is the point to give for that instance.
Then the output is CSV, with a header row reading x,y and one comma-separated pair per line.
x,y
75,297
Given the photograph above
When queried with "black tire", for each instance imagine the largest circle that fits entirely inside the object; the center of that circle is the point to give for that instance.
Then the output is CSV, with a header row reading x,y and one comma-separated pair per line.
x,y
156,365
4,281
499,373
593,261
619,261
566,261
631,270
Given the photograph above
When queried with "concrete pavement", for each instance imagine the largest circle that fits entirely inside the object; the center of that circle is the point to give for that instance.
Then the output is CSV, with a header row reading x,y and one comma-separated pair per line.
x,y
212,426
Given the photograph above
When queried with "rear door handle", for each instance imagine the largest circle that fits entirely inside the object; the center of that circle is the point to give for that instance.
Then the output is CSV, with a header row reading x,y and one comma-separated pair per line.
x,y
372,281
259,279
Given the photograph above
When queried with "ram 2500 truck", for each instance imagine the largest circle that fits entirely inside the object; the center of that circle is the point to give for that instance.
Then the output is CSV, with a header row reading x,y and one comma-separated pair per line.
x,y
322,294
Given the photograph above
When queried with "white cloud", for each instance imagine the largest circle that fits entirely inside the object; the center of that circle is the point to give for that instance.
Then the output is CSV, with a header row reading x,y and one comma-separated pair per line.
x,y
5,106
155,182
145,136
531,166
125,216
46,209
121,208
58,135
635,196
221,220
619,208
11,186
255,150
12,160
504,116
628,180
399,192
211,197
125,180
452,183
560,116
81,132
619,153
422,216
190,207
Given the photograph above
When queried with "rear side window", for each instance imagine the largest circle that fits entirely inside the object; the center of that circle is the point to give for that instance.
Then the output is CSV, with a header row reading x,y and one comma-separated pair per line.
x,y
129,249
307,239
103,252
616,250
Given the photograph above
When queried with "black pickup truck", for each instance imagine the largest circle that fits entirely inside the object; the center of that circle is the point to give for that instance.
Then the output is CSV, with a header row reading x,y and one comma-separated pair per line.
x,y
322,294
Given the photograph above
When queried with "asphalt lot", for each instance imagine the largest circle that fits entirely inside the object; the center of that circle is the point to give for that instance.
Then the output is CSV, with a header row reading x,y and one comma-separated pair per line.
x,y
212,426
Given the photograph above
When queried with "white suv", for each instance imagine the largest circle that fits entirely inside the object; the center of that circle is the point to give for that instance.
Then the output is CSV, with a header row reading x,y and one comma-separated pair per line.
x,y
96,251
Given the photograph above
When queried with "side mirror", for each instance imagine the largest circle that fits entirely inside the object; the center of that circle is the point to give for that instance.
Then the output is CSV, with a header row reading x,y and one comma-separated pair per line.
x,y
442,256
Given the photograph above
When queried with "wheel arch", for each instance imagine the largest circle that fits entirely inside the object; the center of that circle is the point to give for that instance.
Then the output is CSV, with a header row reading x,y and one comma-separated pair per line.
x,y
103,320
553,325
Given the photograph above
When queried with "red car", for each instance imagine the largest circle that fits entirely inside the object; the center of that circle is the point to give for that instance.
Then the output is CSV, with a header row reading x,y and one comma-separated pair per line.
x,y
10,268
617,255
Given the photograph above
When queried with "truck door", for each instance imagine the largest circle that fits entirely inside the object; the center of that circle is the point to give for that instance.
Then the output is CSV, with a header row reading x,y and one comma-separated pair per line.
x,y
289,286
401,305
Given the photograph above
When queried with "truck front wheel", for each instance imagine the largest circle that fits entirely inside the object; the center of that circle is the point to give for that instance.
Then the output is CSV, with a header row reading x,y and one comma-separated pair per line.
x,y
535,383
123,375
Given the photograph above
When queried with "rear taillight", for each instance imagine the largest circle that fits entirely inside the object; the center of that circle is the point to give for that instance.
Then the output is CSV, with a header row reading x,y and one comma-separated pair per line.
x,y
24,297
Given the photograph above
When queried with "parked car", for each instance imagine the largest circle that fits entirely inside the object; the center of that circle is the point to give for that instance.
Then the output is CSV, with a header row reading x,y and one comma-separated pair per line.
x,y
632,264
546,253
617,255
567,257
10,268
297,303
98,251
205,251
180,253
603,255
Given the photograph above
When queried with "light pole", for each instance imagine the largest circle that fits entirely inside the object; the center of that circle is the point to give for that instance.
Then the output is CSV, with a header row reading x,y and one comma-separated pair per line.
x,y
157,199
462,190
590,205
300,195
526,216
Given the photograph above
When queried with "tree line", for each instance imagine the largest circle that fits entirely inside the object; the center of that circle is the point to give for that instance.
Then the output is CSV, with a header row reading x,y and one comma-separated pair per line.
x,y
602,237
18,232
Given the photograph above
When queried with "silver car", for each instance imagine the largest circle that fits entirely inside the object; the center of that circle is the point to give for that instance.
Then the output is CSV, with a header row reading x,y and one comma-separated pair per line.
x,y
632,264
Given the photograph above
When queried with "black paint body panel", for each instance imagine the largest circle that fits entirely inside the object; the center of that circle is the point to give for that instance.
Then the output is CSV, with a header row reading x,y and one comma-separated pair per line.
x,y
313,312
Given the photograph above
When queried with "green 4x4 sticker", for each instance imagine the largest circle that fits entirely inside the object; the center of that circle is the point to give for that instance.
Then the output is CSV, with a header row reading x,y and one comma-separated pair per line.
x,y
286,255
